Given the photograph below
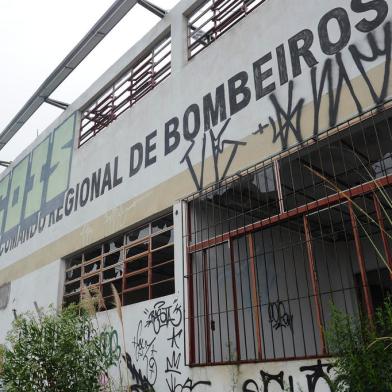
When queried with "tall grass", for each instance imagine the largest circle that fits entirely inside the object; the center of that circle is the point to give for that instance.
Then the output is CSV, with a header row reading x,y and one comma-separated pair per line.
x,y
93,302
362,346
388,200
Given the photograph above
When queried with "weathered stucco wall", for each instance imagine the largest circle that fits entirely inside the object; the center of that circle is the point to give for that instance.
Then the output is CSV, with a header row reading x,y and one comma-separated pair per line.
x,y
42,287
259,89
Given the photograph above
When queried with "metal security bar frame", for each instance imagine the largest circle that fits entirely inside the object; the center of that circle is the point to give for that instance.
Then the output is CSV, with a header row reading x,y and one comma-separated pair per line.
x,y
212,18
143,76
269,249
139,263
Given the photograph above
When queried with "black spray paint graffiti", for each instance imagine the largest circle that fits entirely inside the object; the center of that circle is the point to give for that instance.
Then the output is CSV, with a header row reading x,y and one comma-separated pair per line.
x,y
188,385
279,317
217,146
359,58
173,339
166,317
144,350
141,382
234,96
288,121
319,372
286,124
163,315
173,363
266,380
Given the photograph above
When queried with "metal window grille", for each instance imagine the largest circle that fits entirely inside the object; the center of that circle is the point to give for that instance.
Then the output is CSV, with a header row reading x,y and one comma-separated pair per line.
x,y
213,18
139,263
143,76
270,249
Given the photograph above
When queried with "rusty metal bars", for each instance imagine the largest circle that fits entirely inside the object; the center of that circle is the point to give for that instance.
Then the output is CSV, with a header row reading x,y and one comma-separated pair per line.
x,y
213,18
144,75
139,263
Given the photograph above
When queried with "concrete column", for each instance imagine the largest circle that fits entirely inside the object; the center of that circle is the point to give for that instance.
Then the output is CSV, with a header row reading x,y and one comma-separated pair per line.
x,y
179,41
180,266
179,246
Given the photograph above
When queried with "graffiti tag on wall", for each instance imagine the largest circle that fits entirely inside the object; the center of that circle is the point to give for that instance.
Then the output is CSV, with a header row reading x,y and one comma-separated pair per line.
x,y
162,320
314,374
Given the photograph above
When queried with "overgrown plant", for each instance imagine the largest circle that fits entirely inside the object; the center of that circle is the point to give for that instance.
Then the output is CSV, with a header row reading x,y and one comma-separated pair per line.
x,y
92,301
363,347
383,196
363,356
56,352
2,354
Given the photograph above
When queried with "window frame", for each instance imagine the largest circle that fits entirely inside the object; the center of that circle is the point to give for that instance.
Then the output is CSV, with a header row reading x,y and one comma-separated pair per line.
x,y
346,196
232,12
148,70
123,263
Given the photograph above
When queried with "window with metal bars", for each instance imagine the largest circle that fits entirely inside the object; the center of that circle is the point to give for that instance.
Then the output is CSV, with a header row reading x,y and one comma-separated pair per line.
x,y
139,263
146,73
212,18
273,248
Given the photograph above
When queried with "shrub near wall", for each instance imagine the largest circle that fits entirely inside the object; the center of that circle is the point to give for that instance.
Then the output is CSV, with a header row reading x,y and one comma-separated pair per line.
x,y
54,352
2,353
363,351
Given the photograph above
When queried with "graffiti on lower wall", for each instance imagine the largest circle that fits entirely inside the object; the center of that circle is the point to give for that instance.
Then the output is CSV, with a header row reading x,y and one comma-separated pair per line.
x,y
317,376
155,360
279,316
111,347
140,382
163,321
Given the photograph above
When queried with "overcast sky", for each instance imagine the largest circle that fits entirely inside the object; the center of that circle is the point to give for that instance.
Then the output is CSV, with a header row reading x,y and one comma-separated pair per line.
x,y
35,36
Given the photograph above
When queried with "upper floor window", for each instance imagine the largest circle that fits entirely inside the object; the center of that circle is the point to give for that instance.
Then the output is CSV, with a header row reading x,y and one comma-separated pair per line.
x,y
139,263
143,76
213,18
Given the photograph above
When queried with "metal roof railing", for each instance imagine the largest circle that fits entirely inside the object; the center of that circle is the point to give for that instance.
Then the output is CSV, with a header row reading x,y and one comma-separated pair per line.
x,y
96,34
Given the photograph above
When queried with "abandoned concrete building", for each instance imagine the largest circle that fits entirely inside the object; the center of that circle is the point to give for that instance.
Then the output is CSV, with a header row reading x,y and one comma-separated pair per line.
x,y
228,175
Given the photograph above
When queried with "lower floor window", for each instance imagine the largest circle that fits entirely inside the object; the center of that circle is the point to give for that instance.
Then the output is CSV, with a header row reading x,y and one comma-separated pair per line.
x,y
138,263
265,271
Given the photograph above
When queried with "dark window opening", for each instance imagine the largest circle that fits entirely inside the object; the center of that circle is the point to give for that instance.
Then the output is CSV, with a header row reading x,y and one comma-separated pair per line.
x,y
163,288
347,160
137,264
249,199
137,234
114,244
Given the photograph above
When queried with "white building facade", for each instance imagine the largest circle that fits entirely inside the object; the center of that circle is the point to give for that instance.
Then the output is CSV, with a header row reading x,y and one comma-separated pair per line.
x,y
206,176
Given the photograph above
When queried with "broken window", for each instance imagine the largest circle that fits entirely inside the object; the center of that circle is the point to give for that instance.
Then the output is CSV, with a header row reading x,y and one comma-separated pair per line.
x,y
270,250
139,263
